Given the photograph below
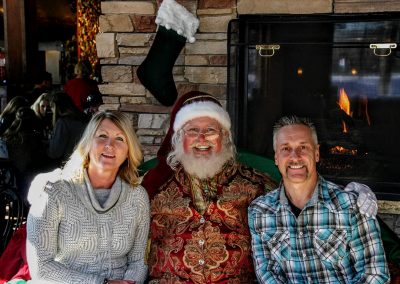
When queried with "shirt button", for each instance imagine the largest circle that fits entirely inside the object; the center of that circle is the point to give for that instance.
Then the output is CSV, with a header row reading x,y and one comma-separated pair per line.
x,y
301,233
202,220
304,254
201,261
201,242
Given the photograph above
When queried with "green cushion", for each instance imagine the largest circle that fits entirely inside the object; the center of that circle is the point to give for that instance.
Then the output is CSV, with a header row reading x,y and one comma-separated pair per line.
x,y
260,163
146,166
16,281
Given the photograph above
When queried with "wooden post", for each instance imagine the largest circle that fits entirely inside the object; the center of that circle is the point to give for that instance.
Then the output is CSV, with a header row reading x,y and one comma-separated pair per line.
x,y
21,45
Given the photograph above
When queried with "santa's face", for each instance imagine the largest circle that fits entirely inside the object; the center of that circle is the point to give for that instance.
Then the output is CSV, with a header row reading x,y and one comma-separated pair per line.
x,y
202,137
203,150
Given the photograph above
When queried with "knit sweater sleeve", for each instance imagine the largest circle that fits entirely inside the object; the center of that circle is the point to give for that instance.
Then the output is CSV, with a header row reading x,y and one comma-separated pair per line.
x,y
42,237
137,269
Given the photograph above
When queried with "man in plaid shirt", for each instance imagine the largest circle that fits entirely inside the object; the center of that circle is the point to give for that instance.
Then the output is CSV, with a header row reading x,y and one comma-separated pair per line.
x,y
308,230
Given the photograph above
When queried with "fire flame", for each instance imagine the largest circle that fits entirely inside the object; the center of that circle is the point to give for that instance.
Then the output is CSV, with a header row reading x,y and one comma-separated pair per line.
x,y
344,104
342,150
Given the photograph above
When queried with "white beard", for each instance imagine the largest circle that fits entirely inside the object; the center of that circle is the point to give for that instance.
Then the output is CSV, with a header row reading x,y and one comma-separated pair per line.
x,y
202,167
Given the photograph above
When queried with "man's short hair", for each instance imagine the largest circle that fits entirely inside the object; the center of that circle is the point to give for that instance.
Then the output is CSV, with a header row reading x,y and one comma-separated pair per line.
x,y
43,76
293,120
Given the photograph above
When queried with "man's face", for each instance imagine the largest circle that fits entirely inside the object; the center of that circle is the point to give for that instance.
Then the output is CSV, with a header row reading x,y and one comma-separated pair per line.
x,y
296,155
202,137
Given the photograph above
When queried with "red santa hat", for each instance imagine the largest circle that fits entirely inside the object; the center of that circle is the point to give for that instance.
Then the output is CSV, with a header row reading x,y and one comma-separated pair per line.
x,y
191,105
201,105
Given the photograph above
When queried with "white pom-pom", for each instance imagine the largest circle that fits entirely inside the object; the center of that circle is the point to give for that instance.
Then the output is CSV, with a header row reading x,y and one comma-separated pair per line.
x,y
173,15
192,39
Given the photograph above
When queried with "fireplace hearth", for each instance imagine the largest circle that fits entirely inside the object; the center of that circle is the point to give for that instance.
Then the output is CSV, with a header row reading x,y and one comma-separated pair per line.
x,y
342,71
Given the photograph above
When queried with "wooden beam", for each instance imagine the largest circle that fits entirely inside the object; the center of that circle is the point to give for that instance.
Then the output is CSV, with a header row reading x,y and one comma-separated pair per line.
x,y
21,45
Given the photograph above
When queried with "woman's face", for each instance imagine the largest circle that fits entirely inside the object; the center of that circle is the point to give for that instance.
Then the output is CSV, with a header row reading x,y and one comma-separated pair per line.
x,y
43,105
109,148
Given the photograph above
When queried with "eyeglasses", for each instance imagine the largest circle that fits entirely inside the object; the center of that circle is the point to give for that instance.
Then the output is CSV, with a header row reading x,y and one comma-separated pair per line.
x,y
209,133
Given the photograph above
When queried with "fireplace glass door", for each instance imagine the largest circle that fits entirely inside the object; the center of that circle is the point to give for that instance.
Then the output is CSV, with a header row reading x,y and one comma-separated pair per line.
x,y
343,72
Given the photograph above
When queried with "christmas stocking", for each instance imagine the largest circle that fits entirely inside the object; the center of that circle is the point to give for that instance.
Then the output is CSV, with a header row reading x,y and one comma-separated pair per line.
x,y
176,26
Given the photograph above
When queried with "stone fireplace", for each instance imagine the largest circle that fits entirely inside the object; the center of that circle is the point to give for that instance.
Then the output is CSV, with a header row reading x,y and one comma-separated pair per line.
x,y
127,30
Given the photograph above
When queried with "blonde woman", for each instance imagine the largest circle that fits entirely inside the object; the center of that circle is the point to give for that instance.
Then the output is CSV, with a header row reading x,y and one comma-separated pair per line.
x,y
42,105
42,109
89,222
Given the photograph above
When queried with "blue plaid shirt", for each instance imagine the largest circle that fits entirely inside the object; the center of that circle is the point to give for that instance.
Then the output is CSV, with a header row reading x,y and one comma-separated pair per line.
x,y
329,242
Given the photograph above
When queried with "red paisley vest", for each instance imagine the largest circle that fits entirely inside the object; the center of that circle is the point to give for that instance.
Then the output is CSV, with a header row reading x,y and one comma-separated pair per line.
x,y
213,247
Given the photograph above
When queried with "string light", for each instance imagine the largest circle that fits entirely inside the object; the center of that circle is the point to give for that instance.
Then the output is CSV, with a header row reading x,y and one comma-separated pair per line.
x,y
299,71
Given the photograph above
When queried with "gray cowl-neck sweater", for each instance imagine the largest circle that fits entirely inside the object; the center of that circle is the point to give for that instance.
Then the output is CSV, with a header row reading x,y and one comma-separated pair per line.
x,y
73,239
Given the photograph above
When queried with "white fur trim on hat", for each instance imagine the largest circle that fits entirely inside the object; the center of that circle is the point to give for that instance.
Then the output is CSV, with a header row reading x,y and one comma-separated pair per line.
x,y
202,109
173,15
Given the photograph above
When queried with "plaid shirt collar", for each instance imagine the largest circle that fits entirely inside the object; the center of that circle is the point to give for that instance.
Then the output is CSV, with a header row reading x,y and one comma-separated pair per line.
x,y
320,194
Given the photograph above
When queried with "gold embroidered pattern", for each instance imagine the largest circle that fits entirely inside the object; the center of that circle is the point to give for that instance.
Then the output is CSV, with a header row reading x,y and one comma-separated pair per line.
x,y
202,237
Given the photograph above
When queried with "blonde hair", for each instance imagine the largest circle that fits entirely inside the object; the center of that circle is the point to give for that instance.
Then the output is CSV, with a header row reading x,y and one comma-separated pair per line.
x,y
13,105
79,159
36,105
82,68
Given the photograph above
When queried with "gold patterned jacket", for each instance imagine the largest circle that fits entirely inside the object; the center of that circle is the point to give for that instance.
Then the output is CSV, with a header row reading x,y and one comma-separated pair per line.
x,y
199,228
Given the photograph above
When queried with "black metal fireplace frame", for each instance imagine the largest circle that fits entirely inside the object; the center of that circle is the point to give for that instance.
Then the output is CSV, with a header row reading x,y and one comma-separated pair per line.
x,y
237,70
